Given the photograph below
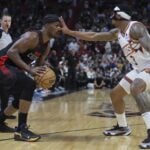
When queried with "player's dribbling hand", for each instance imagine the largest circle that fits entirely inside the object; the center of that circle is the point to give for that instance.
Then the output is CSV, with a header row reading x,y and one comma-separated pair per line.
x,y
64,27
37,71
47,64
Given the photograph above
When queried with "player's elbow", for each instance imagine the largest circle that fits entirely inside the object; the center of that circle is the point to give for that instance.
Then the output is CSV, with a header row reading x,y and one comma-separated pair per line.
x,y
10,53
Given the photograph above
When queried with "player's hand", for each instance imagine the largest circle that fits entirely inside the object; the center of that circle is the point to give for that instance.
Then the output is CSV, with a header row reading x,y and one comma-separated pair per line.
x,y
47,64
64,27
37,71
147,70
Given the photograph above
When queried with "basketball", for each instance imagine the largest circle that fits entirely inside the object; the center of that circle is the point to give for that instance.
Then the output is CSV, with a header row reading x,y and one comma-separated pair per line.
x,y
47,79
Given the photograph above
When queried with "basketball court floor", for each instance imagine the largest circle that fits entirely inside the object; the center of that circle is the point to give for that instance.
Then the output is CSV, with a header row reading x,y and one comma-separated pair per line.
x,y
76,122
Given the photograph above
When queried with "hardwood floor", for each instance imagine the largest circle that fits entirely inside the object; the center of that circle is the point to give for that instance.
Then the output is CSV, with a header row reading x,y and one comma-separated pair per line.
x,y
76,122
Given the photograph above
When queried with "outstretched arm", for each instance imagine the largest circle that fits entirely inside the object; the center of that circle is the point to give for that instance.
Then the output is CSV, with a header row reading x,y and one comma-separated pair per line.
x,y
89,36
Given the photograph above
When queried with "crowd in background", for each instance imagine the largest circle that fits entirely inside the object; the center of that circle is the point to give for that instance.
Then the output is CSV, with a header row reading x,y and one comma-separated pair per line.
x,y
79,64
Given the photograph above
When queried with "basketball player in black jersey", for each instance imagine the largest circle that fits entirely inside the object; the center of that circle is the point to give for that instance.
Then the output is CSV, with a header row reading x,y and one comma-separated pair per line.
x,y
14,62
5,39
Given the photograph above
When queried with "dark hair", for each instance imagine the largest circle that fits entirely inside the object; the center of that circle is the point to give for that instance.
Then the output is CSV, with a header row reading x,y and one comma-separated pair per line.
x,y
50,18
5,13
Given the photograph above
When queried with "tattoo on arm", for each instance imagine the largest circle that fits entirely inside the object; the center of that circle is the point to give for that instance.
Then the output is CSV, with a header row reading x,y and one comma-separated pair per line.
x,y
143,101
139,32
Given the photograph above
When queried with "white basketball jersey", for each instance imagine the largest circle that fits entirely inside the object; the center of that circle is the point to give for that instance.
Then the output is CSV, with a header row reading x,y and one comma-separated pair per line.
x,y
133,51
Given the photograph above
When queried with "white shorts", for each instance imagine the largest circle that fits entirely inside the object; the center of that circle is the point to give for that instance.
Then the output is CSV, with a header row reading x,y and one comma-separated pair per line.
x,y
131,76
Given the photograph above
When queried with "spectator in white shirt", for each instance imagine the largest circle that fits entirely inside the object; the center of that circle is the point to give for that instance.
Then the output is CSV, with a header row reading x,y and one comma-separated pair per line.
x,y
73,46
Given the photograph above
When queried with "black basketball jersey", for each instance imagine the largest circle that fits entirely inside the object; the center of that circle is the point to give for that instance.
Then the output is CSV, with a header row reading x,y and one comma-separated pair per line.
x,y
29,56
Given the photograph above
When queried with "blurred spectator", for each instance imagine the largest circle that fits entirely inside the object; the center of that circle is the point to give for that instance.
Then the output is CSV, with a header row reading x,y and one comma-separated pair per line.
x,y
72,64
81,79
91,75
62,76
98,82
73,46
53,59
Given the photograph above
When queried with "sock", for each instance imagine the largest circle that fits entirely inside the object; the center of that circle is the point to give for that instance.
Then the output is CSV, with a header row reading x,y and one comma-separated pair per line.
x,y
121,119
146,118
22,119
2,117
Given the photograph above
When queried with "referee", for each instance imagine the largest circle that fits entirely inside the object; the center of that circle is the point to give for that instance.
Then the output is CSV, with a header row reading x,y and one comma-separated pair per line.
x,y
5,37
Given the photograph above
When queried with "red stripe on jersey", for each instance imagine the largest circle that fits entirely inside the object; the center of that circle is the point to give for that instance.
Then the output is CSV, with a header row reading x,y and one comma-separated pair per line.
x,y
3,59
5,70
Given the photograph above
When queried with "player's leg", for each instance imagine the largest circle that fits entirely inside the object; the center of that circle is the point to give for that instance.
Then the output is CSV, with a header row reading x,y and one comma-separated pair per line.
x,y
6,81
121,128
28,86
4,95
11,109
4,99
3,116
139,90
117,95
3,126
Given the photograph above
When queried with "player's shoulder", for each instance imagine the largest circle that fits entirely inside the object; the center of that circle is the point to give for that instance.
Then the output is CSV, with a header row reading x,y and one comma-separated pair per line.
x,y
30,35
137,30
137,25
28,39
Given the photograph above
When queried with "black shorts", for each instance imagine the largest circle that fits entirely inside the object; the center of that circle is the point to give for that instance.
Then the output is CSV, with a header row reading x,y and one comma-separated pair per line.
x,y
14,79
7,77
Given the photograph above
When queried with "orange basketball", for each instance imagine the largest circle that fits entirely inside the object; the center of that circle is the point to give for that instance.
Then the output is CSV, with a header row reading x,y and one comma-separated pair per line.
x,y
47,79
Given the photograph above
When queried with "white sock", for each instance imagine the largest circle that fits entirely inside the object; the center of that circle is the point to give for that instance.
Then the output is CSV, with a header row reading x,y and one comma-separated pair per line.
x,y
146,118
121,119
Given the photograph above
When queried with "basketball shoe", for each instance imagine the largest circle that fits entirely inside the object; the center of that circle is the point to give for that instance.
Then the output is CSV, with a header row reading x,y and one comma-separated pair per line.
x,y
5,129
146,143
116,131
24,134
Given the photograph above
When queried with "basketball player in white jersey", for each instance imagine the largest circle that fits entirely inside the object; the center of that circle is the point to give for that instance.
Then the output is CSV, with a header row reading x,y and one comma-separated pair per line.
x,y
134,40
